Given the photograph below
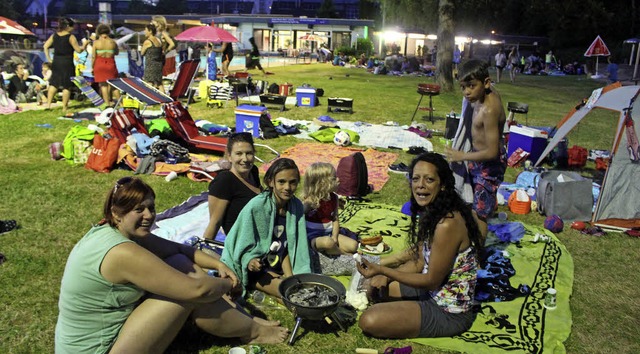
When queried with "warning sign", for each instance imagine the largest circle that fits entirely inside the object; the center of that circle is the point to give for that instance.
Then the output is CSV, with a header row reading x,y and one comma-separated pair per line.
x,y
597,48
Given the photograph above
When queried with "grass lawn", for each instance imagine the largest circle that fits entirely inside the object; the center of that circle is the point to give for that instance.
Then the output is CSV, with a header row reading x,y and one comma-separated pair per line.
x,y
56,203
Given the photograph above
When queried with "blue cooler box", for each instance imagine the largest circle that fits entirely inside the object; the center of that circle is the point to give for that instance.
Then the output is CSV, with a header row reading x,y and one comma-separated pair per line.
x,y
306,97
531,140
248,119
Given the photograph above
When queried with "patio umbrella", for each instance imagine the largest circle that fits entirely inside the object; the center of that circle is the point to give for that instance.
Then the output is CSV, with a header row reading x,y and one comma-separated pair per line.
x,y
206,34
312,38
8,26
597,49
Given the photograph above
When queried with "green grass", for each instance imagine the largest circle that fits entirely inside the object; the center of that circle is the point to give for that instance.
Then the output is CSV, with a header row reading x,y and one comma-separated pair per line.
x,y
55,203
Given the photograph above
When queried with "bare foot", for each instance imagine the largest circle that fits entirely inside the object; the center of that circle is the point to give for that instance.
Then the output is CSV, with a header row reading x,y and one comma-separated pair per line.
x,y
267,323
266,335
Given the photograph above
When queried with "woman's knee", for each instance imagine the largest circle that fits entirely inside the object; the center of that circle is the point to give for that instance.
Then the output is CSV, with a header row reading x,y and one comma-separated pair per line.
x,y
369,322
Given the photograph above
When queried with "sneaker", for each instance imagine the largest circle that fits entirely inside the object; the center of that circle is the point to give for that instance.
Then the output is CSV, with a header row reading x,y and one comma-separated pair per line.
x,y
399,168
7,226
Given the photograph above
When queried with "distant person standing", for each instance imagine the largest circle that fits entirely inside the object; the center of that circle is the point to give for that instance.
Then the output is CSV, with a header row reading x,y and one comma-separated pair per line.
x,y
103,59
227,55
212,65
548,61
62,67
513,64
612,69
168,44
152,53
501,62
254,57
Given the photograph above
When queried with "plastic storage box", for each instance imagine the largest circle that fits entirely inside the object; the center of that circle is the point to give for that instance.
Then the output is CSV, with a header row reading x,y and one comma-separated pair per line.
x,y
306,97
248,118
531,140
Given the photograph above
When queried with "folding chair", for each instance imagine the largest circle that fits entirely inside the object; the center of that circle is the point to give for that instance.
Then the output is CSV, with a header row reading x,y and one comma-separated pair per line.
x,y
123,121
182,86
183,125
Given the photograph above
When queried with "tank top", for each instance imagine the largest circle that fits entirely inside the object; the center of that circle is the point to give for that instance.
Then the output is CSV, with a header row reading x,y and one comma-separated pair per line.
x,y
456,295
91,309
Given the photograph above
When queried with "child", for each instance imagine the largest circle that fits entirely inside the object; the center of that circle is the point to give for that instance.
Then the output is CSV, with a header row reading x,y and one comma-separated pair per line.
x,y
268,241
321,211
212,66
486,158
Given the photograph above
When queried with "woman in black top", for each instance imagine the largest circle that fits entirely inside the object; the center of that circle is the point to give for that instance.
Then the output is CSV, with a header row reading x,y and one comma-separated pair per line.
x,y
231,190
64,43
227,56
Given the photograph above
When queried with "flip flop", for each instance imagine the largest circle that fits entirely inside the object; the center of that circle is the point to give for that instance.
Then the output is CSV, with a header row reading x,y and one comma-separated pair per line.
x,y
403,350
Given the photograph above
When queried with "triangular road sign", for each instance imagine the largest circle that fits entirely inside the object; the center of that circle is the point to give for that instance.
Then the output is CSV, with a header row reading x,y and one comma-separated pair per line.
x,y
597,48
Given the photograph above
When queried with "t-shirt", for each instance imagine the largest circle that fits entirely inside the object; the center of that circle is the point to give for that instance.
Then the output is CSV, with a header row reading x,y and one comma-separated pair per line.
x,y
228,186
92,309
320,220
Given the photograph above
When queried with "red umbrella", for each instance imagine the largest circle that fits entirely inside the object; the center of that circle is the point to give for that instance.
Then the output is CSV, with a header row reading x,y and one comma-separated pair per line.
x,y
8,26
206,34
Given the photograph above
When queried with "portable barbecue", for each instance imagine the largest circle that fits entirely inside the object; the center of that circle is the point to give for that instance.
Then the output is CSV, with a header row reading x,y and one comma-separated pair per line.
x,y
312,297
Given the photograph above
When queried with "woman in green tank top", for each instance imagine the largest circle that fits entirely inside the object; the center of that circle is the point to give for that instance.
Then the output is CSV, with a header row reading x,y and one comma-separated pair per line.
x,y
126,290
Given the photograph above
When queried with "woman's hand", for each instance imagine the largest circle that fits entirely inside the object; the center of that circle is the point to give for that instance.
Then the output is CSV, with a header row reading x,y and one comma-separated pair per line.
x,y
368,269
226,272
254,265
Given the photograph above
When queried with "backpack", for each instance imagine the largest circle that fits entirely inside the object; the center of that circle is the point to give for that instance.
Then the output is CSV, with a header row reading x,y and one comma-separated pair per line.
x,y
274,88
266,126
577,157
353,176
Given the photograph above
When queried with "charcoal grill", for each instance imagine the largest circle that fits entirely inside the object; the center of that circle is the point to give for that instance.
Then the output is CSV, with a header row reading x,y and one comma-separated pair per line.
x,y
334,289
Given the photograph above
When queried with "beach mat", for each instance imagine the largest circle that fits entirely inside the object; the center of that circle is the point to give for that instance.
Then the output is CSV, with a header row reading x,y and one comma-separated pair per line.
x,y
305,154
522,325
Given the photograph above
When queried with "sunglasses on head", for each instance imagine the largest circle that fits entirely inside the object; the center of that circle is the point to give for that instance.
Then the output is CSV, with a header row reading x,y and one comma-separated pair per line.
x,y
121,182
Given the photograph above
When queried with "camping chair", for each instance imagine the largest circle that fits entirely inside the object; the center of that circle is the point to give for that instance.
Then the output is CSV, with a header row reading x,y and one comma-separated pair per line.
x,y
183,125
139,90
182,86
123,121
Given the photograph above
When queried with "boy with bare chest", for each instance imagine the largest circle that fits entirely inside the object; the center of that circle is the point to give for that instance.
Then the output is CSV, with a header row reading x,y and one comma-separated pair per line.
x,y
486,161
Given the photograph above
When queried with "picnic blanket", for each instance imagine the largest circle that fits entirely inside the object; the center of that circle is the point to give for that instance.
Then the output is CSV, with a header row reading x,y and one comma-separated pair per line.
x,y
304,154
522,325
372,135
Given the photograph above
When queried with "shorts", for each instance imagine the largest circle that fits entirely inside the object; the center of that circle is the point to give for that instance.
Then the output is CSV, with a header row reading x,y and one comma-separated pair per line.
x,y
435,322
500,67
486,177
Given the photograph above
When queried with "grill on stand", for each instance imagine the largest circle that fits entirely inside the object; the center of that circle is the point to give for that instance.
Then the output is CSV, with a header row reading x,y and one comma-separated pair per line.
x,y
312,297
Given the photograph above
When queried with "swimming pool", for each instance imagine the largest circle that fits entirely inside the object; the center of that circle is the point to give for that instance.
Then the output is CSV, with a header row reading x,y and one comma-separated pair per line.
x,y
237,63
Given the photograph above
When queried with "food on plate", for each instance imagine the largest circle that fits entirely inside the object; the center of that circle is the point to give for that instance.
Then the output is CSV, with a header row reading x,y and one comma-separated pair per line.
x,y
370,240
376,249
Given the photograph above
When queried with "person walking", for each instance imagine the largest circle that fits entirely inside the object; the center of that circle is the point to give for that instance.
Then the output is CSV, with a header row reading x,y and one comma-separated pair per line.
x,y
501,62
254,56
64,43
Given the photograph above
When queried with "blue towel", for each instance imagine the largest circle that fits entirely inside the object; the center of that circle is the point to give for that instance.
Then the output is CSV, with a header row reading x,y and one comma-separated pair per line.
x,y
252,234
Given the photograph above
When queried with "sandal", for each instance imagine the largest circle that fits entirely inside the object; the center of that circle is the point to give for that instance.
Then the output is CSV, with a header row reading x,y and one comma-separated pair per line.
x,y
7,225
404,350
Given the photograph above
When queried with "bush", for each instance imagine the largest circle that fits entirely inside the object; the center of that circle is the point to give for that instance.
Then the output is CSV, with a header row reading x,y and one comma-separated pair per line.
x,y
345,50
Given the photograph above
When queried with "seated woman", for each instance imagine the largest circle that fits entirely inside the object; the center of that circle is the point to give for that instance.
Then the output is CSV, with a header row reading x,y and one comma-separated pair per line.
x,y
22,91
432,293
268,242
232,189
127,290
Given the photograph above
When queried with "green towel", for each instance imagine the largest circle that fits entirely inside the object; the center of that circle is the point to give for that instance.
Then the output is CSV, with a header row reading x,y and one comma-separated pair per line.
x,y
252,234
522,325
